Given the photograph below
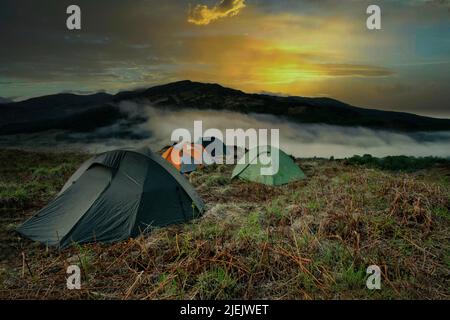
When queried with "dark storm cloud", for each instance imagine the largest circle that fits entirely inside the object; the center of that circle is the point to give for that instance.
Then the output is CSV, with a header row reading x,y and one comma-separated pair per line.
x,y
136,43
114,33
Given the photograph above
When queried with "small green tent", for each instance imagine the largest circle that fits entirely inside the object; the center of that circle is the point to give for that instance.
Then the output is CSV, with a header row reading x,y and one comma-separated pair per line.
x,y
114,196
288,171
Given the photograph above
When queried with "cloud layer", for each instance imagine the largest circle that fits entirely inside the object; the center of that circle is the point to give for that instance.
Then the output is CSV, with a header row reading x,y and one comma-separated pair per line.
x,y
300,140
204,15
301,47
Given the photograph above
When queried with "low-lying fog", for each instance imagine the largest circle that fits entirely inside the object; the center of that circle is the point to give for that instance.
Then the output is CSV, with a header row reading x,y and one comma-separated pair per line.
x,y
300,140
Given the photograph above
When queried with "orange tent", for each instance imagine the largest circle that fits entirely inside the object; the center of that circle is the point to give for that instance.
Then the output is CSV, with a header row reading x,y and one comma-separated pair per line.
x,y
185,157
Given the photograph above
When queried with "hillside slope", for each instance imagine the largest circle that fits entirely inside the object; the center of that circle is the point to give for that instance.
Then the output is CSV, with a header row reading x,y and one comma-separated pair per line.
x,y
86,113
311,239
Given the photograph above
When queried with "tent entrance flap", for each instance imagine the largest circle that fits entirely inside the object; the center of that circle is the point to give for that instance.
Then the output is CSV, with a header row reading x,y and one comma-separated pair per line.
x,y
55,221
111,196
251,169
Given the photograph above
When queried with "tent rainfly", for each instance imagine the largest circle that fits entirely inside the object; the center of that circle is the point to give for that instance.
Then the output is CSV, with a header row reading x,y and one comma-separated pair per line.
x,y
187,157
214,146
288,171
114,196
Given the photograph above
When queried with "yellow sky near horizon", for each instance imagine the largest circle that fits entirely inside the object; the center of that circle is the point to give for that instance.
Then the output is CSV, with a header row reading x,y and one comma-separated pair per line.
x,y
291,47
280,53
322,53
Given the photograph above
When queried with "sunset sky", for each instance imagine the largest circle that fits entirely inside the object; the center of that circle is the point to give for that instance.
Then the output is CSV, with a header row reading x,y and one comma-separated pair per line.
x,y
292,47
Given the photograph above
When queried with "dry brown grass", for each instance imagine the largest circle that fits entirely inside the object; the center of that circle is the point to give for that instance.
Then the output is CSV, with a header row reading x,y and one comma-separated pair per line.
x,y
307,240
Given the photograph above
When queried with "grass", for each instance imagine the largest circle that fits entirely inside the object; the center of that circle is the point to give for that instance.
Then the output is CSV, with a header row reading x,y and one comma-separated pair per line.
x,y
36,176
216,283
312,239
397,163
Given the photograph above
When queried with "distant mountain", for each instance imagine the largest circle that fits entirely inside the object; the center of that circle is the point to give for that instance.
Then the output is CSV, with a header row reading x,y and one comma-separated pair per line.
x,y
59,111
188,94
86,113
4,100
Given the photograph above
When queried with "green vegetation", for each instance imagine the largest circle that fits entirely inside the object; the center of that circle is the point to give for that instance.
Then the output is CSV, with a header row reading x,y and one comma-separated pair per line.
x,y
216,283
311,239
36,176
397,163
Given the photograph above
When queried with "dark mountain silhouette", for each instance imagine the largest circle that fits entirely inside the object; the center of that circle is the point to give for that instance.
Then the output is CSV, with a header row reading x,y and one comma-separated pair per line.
x,y
89,112
59,111
4,100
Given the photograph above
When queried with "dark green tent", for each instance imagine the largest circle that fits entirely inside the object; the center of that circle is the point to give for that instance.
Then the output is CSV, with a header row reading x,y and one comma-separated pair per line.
x,y
214,146
251,170
114,196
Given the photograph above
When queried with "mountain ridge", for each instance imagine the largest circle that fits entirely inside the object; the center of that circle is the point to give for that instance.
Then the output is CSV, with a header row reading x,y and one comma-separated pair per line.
x,y
88,112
